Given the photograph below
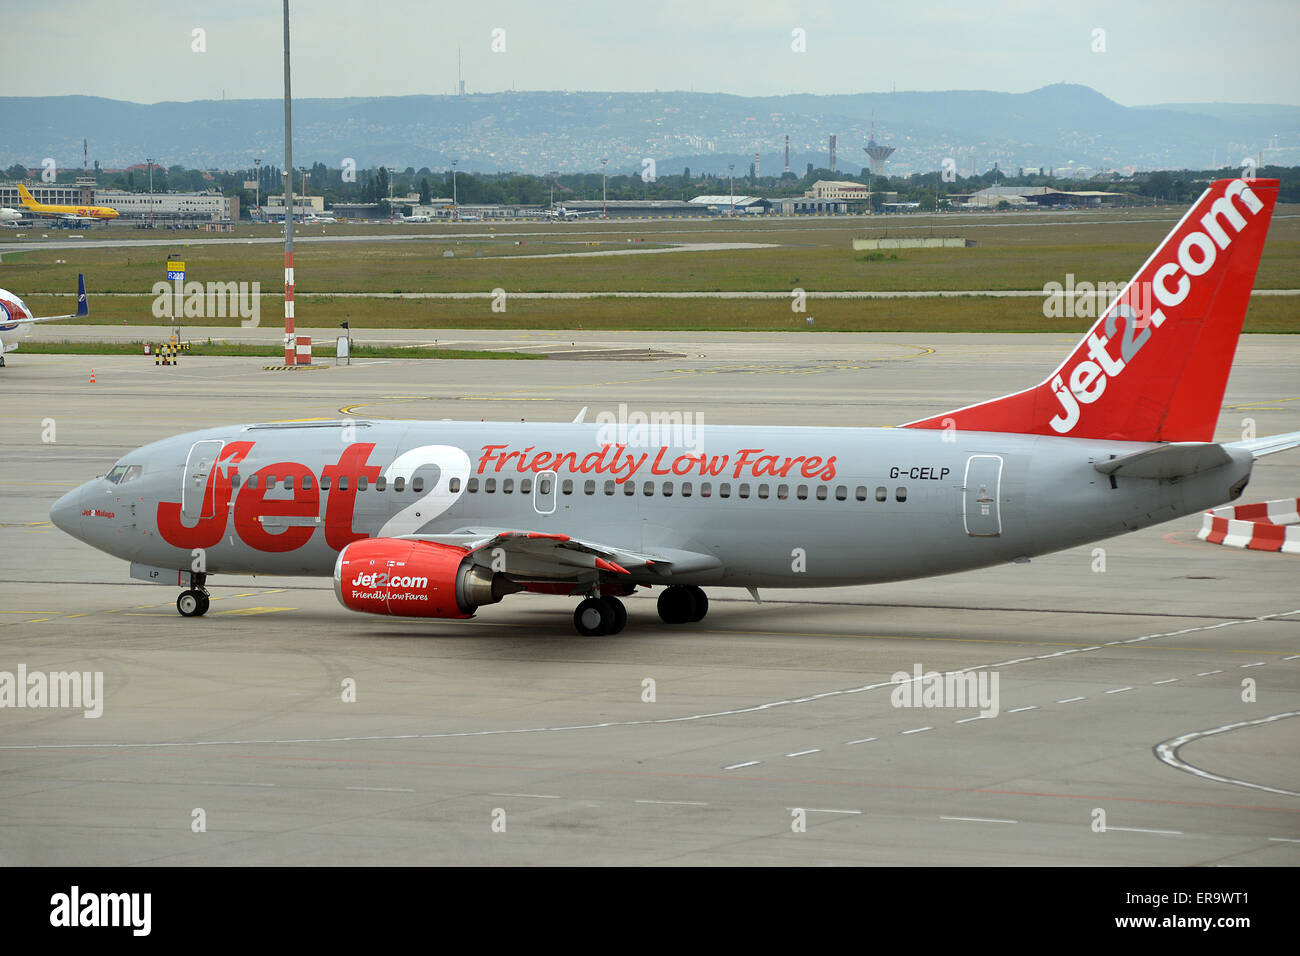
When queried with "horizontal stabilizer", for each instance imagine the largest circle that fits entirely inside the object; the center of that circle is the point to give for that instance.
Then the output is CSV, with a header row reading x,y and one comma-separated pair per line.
x,y
1167,461
1259,447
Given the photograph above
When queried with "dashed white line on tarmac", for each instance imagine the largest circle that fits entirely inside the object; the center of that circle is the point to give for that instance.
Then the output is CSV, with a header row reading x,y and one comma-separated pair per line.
x,y
978,820
1293,657
1071,700
1118,690
1208,673
1016,710
804,753
1141,830
1256,664
821,810
1167,680
1168,752
864,740
534,796
748,763
1283,840
916,730
964,720
386,789
676,803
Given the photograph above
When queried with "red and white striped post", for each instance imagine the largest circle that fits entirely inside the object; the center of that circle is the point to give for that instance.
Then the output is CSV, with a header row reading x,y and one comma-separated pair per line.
x,y
290,352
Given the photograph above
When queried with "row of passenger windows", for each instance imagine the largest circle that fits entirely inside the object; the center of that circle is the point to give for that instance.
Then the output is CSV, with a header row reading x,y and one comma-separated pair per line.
x,y
381,483
666,489
686,489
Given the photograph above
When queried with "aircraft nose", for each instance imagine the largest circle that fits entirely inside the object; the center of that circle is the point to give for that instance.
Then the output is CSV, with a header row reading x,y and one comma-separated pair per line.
x,y
66,513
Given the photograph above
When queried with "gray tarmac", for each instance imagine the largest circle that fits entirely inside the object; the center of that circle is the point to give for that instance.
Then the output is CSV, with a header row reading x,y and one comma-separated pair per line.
x,y
764,715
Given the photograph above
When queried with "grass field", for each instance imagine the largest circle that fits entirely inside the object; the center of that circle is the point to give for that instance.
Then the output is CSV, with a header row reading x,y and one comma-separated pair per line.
x,y
1012,251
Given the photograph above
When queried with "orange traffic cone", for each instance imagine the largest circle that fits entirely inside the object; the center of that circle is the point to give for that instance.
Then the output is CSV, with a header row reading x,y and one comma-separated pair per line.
x,y
92,376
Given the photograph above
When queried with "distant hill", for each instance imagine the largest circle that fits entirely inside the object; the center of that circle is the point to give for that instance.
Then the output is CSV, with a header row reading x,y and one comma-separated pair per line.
x,y
1061,126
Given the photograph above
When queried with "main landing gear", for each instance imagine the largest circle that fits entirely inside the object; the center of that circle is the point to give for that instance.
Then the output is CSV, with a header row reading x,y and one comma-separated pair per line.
x,y
195,601
597,616
683,604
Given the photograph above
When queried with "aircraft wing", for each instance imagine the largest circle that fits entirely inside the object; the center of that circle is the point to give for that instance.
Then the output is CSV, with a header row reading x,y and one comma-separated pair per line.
x,y
552,556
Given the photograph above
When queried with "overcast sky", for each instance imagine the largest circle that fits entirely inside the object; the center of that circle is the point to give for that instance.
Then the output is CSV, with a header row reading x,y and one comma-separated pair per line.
x,y
1149,52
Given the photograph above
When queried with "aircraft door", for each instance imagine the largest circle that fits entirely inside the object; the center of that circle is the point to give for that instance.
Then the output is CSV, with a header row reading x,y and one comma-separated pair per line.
x,y
197,493
980,504
544,493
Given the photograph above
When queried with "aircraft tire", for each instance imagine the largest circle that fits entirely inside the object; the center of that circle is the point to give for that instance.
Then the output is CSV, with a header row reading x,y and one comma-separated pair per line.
x,y
190,603
620,614
676,605
593,617
205,601
701,603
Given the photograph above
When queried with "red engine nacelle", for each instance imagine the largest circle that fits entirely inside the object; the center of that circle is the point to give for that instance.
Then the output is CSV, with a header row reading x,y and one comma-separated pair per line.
x,y
414,579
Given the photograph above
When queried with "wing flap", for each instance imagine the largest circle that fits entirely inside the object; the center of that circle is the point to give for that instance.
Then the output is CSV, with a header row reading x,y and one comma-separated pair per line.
x,y
1173,460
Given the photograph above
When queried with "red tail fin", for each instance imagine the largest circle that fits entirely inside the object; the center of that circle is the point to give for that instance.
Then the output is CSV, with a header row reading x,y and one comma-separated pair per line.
x,y
1155,366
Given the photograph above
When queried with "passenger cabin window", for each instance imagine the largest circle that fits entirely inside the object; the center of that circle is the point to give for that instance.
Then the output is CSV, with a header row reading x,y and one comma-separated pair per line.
x,y
841,493
724,490
453,486
306,482
382,482
629,489
288,483
900,493
686,489
252,481
882,493
399,484
489,485
648,488
543,486
782,492
343,482
861,493
821,492
363,483
609,487
566,486
507,486
589,487
801,492
668,489
743,491
525,486
417,485
234,480
324,482
762,491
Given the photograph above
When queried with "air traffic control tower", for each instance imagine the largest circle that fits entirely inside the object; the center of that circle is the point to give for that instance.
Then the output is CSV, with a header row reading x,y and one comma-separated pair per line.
x,y
878,154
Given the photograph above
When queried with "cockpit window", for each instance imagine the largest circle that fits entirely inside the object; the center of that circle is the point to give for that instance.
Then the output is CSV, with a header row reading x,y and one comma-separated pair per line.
x,y
123,473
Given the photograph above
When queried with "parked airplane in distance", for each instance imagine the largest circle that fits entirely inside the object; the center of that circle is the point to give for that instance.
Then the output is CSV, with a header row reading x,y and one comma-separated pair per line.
x,y
437,519
564,214
9,216
17,321
77,213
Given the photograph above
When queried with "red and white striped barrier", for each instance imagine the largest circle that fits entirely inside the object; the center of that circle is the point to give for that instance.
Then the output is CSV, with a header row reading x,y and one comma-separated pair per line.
x,y
304,350
1265,526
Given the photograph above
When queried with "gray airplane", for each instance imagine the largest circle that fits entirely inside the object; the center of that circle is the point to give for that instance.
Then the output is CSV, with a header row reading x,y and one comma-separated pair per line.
x,y
437,519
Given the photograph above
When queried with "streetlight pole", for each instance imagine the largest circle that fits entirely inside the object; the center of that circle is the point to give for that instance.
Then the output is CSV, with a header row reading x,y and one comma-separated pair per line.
x,y
731,169
604,214
150,162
